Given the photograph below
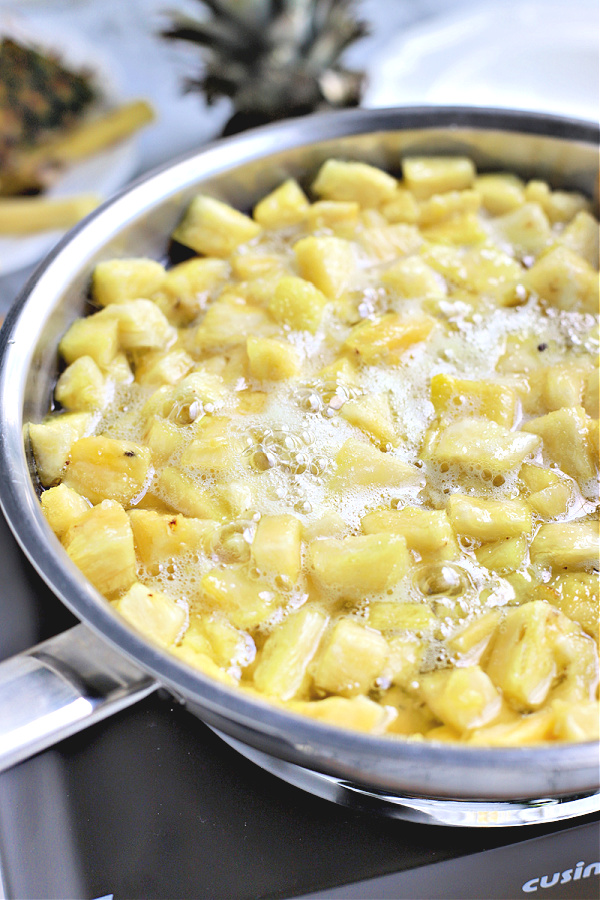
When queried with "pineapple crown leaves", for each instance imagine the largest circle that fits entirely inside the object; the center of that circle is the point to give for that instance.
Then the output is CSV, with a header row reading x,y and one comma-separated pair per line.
x,y
273,58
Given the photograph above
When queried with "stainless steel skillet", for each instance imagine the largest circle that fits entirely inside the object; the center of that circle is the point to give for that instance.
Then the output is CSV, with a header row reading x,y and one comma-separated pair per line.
x,y
101,665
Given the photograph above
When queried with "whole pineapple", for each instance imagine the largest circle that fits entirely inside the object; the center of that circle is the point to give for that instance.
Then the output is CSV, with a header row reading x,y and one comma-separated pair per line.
x,y
273,58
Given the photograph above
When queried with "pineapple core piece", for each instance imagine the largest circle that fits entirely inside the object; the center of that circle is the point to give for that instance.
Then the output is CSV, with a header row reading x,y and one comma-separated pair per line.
x,y
276,548
282,670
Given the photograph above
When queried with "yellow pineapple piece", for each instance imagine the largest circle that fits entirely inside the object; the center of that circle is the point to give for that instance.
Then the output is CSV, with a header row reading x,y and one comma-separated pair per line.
x,y
565,280
536,478
456,397
101,467
120,280
247,602
426,176
141,325
386,242
286,205
214,448
82,386
565,433
557,386
582,236
157,367
214,228
354,181
462,230
489,520
361,464
100,543
534,728
357,565
250,403
62,507
187,401
482,271
386,339
338,216
277,545
576,595
96,336
521,659
159,537
412,715
354,713
228,645
591,401
503,556
526,229
483,443
568,545
576,655
559,206
282,669
270,359
328,262
164,440
463,698
500,192
184,494
51,442
471,641
553,501
188,287
412,277
573,723
118,369
203,662
152,613
450,205
373,415
298,304
392,616
427,531
351,659
256,269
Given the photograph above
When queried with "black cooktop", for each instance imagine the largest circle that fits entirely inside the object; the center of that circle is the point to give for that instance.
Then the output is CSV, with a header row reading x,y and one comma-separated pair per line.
x,y
151,804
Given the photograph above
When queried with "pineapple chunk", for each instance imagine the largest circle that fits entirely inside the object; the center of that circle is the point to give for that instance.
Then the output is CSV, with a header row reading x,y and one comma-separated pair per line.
x,y
557,386
401,207
576,596
457,397
328,262
536,478
298,304
120,280
157,367
451,205
552,501
164,440
51,442
426,176
276,548
386,339
354,181
483,443
286,205
188,287
152,613
96,336
355,713
228,645
482,271
351,660
565,280
287,653
575,723
412,715
270,359
471,641
565,433
141,325
503,556
412,277
386,242
214,228
372,414
390,615
159,537
214,449
361,465
359,565
568,545
463,698
526,229
339,216
489,520
101,467
185,495
247,602
582,236
591,399
100,544
118,369
500,192
559,206
62,507
424,530
203,662
521,660
82,386
516,732
462,230
186,402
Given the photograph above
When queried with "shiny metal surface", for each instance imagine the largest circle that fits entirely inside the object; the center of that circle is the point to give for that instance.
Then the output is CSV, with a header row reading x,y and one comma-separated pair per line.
x,y
135,223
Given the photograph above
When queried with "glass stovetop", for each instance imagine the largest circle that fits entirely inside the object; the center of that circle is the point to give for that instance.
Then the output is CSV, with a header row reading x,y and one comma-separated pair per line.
x,y
151,804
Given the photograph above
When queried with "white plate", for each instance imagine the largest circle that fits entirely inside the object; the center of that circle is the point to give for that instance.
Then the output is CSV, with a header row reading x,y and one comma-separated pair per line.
x,y
522,55
101,174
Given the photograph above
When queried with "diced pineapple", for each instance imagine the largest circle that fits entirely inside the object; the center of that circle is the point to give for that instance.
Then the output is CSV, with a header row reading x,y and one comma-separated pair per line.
x,y
157,367
101,467
228,645
385,339
452,204
164,440
51,442
412,715
576,655
355,566
567,545
62,507
96,336
118,369
470,642
198,393
559,206
298,304
373,415
184,494
339,216
328,262
214,449
503,556
141,325
575,723
426,176
536,478
387,242
203,662
270,359
582,236
485,444
214,228
591,400
82,386
521,660
427,531
188,287
456,397
463,698
565,433
152,613
159,537
558,386
462,230
500,192
489,520
576,596
552,501
120,280
412,277
286,205
483,271
351,659
361,464
526,229
519,731
354,713
391,616
277,545
100,544
354,181
250,403
565,280
287,653
248,602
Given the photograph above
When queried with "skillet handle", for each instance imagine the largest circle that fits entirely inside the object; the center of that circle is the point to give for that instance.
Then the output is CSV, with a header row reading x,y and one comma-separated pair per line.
x,y
60,687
